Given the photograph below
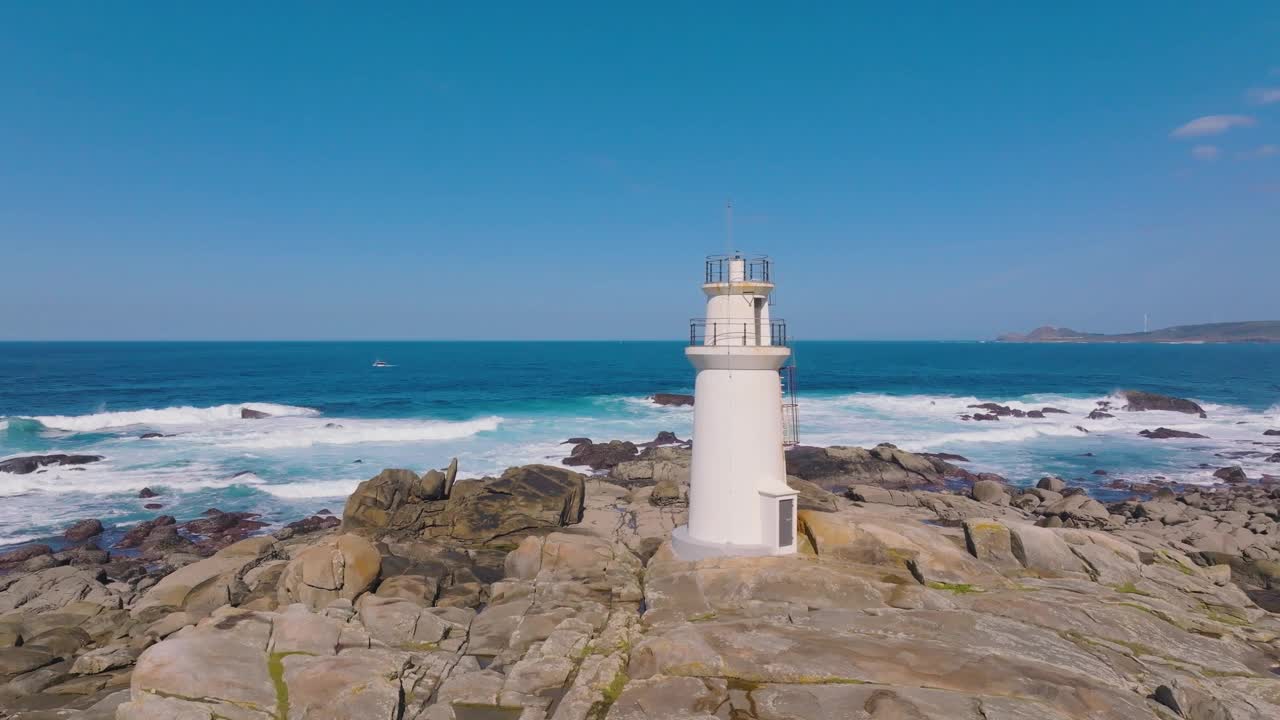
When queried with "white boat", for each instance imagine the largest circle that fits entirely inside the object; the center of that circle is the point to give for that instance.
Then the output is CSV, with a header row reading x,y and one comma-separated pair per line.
x,y
380,363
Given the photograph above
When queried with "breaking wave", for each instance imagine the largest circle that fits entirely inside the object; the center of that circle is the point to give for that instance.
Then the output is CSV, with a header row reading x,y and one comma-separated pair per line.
x,y
348,432
170,416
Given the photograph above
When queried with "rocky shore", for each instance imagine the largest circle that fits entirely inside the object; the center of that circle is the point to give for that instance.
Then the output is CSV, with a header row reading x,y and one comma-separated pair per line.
x,y
922,590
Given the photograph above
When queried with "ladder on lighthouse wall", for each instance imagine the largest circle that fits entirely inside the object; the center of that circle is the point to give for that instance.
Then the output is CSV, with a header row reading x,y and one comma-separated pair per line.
x,y
790,413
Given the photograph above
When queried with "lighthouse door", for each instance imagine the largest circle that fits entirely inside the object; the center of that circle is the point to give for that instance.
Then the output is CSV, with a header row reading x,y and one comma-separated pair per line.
x,y
786,533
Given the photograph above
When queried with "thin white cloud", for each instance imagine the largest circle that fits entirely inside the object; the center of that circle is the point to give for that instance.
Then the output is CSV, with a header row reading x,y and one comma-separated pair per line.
x,y
1264,96
1212,125
1205,152
1263,151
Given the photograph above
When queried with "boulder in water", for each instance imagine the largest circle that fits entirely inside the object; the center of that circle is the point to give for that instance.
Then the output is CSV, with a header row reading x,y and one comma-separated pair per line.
x,y
1138,401
249,414
146,493
673,399
32,463
1234,475
602,456
1164,433
82,530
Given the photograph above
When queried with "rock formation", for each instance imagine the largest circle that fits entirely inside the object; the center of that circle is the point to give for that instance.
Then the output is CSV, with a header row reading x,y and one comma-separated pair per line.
x,y
33,463
674,399
1164,433
547,595
1138,401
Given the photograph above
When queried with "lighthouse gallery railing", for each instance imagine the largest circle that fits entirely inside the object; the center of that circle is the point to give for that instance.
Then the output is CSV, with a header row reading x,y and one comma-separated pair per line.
x,y
737,332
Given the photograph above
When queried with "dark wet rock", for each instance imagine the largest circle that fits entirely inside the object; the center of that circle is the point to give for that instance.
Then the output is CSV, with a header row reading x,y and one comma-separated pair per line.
x,y
1084,430
665,437
223,528
153,506
1272,433
1240,454
1164,433
333,426
314,523
151,436
602,456
147,492
1274,458
674,399
837,467
1099,472
82,530
576,441
32,463
523,499
24,553
159,534
998,410
1166,697
88,554
984,416
324,511
946,457
1099,415
1053,411
248,414
1035,414
1137,401
396,503
1234,474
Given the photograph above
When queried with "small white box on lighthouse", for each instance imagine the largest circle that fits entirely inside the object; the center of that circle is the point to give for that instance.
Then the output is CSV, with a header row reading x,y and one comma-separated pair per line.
x,y
739,500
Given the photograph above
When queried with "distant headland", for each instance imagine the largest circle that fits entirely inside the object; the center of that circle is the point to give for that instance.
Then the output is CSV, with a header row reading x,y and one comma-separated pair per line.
x,y
1259,331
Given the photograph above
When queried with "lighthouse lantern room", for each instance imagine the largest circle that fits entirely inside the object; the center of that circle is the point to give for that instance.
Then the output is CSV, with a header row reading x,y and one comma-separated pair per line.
x,y
739,500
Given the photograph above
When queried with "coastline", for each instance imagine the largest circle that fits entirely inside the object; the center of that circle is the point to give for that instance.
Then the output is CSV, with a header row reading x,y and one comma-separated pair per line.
x,y
549,593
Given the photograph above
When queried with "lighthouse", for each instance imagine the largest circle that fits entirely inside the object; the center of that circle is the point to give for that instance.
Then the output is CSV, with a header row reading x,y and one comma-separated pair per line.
x,y
739,500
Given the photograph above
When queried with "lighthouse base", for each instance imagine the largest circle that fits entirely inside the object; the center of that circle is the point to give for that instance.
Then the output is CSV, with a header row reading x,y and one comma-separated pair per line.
x,y
687,547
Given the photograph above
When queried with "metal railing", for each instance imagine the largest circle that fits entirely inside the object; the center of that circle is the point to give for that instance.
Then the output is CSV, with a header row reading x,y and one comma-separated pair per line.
x,y
737,332
721,268
790,410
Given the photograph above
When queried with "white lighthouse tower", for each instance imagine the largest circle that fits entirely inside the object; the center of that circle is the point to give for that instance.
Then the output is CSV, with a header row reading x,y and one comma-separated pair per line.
x,y
739,500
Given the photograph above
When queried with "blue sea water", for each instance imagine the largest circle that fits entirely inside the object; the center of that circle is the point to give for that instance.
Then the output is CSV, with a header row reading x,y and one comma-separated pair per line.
x,y
337,420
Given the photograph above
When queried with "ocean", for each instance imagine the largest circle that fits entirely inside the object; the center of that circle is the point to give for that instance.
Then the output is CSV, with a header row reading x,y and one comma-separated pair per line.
x,y
336,420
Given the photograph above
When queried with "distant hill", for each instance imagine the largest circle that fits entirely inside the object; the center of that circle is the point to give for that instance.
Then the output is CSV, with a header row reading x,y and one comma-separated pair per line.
x,y
1259,331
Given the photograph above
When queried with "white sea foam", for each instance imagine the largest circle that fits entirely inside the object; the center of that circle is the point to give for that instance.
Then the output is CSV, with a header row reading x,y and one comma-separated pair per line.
x,y
170,416
267,435
298,490
105,478
4,424
16,538
297,456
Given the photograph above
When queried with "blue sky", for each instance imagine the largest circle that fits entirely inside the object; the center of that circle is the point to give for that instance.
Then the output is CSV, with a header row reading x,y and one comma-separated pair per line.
x,y
948,171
